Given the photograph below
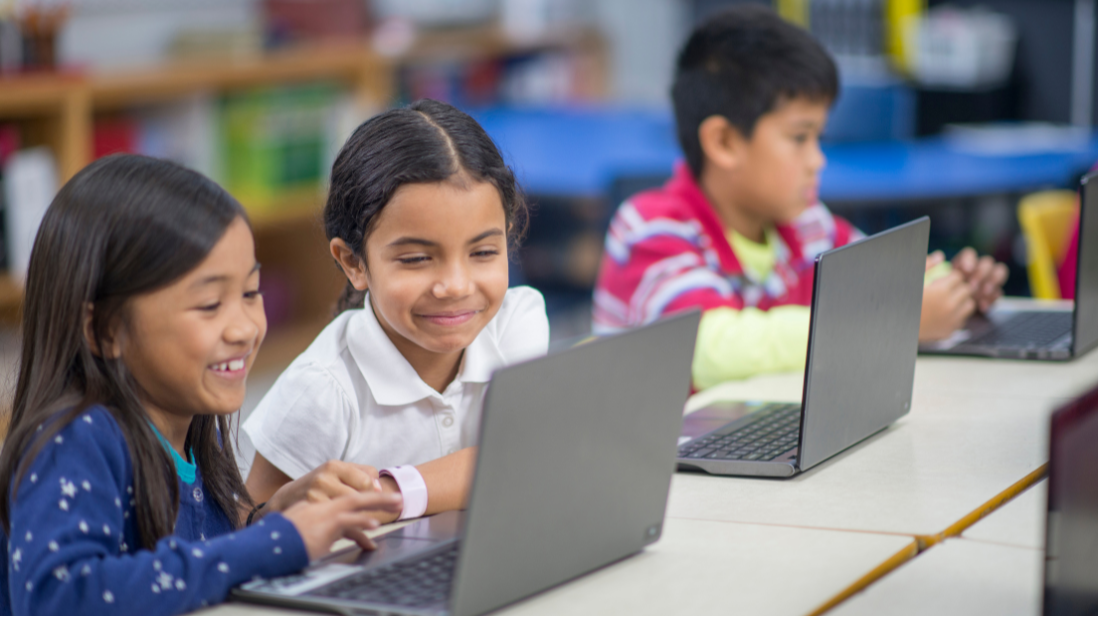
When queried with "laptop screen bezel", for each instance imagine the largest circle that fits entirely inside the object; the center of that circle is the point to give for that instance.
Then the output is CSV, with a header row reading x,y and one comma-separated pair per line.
x,y
919,226
1063,420
1078,345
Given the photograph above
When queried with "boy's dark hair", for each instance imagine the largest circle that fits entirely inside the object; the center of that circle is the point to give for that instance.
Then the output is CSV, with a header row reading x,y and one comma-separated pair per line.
x,y
741,64
123,226
426,142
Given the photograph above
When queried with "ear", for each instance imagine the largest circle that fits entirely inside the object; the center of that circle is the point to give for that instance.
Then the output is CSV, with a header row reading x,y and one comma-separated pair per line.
x,y
722,143
353,267
114,347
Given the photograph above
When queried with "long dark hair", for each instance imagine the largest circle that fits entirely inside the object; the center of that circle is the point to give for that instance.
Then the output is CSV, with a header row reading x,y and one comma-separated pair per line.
x,y
125,225
426,142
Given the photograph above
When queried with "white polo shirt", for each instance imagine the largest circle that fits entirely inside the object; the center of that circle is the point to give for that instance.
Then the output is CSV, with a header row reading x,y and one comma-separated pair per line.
x,y
352,396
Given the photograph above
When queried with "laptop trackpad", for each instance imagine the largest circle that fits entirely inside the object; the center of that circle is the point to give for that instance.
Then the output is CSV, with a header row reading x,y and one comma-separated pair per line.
x,y
422,535
713,417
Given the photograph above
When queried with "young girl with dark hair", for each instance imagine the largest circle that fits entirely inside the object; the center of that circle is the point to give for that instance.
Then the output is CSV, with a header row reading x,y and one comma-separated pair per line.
x,y
119,492
421,214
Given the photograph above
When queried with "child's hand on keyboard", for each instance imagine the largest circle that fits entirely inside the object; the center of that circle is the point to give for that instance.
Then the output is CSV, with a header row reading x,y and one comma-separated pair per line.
x,y
947,303
984,276
349,516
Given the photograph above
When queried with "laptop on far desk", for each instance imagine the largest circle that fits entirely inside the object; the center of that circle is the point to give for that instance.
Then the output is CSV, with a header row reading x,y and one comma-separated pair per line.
x,y
860,369
576,454
1042,334
1071,542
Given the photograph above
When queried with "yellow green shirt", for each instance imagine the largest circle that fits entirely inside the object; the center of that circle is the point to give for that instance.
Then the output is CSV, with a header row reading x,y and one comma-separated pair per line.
x,y
736,344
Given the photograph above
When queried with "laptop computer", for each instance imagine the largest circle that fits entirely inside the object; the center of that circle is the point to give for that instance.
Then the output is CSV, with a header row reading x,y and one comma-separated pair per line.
x,y
1071,540
1047,334
860,369
576,454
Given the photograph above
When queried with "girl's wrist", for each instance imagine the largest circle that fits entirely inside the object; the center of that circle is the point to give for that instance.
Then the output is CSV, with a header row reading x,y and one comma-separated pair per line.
x,y
258,512
411,486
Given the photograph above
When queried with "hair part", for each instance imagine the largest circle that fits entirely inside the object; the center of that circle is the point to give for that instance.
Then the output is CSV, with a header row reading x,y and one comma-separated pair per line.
x,y
123,226
426,142
742,64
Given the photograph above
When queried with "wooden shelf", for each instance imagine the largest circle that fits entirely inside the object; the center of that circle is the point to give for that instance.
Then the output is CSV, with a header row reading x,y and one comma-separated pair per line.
x,y
489,41
11,293
348,62
285,343
29,96
306,207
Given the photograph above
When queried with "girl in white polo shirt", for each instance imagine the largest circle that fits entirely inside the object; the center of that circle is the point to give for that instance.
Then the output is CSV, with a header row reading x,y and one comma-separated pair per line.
x,y
421,213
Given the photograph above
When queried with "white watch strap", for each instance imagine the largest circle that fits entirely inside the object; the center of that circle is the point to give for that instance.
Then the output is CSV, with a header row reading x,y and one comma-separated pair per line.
x,y
412,489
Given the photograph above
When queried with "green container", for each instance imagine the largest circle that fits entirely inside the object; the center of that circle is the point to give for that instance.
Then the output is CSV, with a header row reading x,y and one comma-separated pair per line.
x,y
273,142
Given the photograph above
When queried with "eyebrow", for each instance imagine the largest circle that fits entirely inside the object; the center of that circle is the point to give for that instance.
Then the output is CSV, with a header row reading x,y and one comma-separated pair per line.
x,y
217,278
405,240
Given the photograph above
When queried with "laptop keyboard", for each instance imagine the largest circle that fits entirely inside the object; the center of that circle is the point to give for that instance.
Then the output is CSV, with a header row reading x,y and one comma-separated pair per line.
x,y
414,583
1027,330
772,432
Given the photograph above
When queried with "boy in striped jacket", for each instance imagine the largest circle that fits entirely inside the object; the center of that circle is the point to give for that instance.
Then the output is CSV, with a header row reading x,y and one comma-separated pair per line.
x,y
737,228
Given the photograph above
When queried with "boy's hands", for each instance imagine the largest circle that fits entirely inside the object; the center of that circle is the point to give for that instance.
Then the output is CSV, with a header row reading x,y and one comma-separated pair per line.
x,y
947,303
349,516
329,481
985,277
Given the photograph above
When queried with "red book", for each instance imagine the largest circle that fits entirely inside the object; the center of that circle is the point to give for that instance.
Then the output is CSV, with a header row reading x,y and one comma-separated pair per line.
x,y
113,135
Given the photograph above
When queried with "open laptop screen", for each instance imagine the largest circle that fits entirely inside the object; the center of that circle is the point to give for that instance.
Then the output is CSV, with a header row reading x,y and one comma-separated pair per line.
x,y
1086,274
1071,557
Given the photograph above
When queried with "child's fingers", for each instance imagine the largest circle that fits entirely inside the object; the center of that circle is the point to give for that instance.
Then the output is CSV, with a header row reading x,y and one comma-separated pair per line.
x,y
965,261
960,294
357,477
934,259
361,539
953,282
967,308
370,501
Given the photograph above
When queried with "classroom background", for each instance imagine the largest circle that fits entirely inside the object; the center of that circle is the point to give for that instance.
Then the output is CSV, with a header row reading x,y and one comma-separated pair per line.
x,y
961,110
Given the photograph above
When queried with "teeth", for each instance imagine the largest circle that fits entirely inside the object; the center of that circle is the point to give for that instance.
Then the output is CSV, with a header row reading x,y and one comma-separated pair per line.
x,y
232,365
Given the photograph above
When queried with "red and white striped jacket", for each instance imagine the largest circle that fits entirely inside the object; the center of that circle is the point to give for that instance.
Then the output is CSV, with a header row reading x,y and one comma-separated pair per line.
x,y
667,251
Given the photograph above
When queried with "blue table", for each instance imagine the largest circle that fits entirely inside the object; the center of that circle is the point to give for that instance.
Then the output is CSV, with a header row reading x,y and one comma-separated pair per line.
x,y
579,152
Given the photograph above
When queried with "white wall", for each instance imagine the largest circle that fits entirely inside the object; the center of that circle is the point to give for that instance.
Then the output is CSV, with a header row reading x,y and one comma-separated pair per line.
x,y
644,37
103,34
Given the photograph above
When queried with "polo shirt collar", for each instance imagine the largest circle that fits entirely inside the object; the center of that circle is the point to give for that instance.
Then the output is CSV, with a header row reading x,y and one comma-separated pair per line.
x,y
392,380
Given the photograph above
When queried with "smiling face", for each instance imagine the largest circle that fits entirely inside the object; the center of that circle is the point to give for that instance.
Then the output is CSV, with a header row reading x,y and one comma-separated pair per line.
x,y
190,345
436,267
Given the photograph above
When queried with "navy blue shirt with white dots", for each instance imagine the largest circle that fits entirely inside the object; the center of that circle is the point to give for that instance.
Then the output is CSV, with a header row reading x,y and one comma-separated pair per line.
x,y
73,544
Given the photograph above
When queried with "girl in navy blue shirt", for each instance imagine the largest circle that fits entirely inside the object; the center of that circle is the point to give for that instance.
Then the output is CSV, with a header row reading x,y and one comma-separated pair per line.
x,y
119,492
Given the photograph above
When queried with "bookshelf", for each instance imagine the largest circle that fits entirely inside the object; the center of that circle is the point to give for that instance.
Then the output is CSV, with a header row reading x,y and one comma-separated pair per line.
x,y
59,111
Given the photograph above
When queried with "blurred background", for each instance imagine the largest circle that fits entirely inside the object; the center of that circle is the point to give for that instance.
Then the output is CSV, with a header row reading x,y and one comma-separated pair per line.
x,y
959,110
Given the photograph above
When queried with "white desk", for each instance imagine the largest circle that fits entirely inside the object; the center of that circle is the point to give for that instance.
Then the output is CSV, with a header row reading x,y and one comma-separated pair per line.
x,y
704,567
945,459
735,545
1020,522
1014,378
957,577
994,568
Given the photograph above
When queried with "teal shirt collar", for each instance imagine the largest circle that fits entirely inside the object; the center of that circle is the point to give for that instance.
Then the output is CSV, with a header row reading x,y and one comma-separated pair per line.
x,y
184,469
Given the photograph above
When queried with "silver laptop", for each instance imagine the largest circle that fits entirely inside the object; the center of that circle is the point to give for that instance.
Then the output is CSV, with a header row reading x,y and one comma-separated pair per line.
x,y
1071,525
575,461
860,369
1042,334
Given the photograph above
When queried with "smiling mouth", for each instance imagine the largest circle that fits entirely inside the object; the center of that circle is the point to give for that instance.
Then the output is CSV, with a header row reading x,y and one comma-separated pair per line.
x,y
229,367
455,318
